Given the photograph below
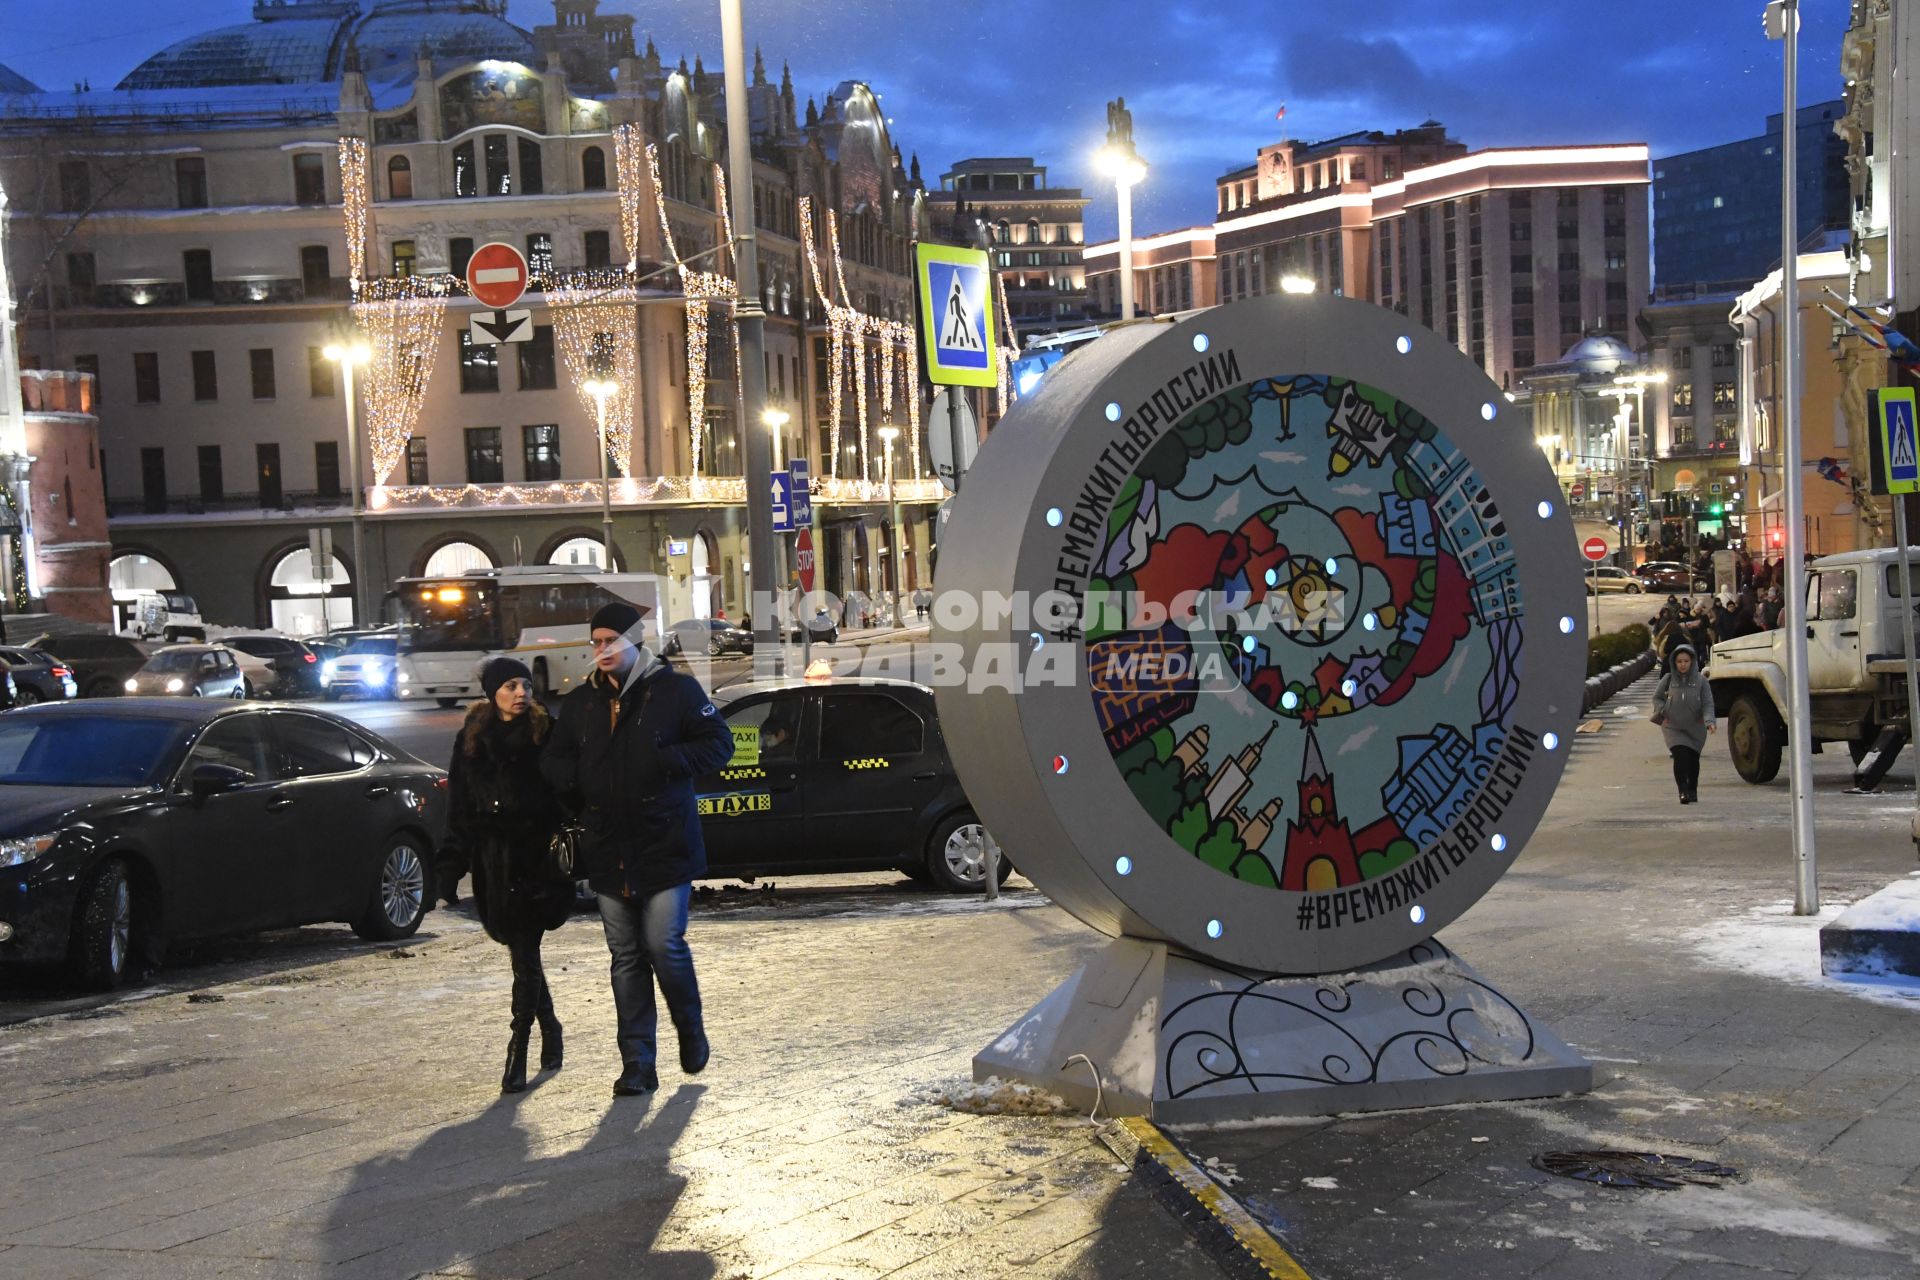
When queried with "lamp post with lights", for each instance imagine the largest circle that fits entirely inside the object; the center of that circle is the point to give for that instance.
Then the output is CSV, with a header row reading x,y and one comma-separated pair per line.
x,y
1121,162
602,388
350,353
1636,384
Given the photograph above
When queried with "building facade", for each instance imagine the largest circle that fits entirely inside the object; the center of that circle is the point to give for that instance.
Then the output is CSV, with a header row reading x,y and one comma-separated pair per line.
x,y
1036,232
250,196
1175,271
1508,253
1716,212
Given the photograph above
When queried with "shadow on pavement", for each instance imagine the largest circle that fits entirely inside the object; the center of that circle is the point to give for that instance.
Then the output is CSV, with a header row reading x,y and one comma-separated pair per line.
x,y
478,1196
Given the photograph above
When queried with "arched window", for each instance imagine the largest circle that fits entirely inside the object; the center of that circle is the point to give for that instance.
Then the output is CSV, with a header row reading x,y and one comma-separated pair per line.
x,y
301,604
1033,231
456,558
579,551
593,169
399,179
1002,232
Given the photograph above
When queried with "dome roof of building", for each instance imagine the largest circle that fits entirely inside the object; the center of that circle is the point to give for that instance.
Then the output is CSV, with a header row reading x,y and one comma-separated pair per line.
x,y
307,41
1599,353
12,82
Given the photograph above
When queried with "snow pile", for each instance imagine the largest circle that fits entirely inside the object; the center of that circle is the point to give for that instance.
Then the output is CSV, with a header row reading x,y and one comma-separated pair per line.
x,y
1222,1172
1895,908
1772,942
996,1097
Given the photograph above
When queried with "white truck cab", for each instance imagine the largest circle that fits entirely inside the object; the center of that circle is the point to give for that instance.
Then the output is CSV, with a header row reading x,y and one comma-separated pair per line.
x,y
172,616
1856,665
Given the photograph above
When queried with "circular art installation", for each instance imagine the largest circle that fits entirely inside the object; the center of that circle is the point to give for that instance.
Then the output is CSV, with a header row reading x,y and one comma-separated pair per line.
x,y
1298,602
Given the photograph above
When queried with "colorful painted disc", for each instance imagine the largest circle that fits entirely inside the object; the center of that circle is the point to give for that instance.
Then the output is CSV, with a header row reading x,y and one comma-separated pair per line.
x,y
1295,613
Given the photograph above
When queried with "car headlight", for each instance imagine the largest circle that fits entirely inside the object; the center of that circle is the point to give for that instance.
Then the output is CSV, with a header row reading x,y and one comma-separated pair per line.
x,y
176,684
15,850
326,671
133,686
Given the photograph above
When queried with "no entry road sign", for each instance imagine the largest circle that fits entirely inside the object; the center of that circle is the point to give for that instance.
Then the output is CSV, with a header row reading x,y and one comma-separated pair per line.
x,y
497,275
1594,549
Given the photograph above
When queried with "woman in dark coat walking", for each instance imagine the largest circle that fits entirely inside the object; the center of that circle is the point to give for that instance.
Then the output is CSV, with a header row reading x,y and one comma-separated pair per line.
x,y
1683,708
503,814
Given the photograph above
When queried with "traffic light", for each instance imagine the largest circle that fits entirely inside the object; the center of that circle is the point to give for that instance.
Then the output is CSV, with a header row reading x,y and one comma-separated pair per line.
x,y
1718,509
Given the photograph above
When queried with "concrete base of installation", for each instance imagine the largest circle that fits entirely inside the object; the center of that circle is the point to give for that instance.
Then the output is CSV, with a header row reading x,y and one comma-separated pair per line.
x,y
1184,1040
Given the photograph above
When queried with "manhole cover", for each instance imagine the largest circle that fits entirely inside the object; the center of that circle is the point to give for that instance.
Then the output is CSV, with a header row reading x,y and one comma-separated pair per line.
x,y
1635,1169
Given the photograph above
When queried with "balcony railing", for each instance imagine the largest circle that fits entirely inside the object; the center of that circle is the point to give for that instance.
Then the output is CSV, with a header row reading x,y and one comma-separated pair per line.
x,y
226,293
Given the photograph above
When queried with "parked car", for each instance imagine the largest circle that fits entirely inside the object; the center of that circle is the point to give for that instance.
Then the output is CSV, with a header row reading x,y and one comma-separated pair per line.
x,y
711,636
9,692
100,663
1668,575
1607,578
190,671
839,775
288,668
170,615
37,676
129,827
367,667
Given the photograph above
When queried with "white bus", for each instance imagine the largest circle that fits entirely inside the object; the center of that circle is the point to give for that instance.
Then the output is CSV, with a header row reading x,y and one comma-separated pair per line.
x,y
450,626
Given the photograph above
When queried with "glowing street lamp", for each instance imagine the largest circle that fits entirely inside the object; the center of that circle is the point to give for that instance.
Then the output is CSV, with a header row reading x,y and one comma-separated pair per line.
x,y
1296,284
602,389
776,421
349,354
1121,162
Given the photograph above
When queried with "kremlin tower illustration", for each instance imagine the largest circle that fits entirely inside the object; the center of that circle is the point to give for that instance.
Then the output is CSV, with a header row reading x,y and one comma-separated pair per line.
x,y
1320,850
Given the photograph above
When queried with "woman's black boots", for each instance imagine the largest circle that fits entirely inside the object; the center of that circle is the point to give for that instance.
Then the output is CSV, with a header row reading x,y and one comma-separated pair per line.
x,y
552,1046
514,1079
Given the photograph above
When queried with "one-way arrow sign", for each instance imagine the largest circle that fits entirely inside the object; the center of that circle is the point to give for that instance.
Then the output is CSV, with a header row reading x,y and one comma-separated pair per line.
x,y
782,514
493,327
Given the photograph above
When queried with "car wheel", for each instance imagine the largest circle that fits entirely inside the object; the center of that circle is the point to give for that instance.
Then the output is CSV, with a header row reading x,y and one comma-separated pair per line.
x,y
333,695
448,702
1754,738
957,855
399,899
103,689
716,647
244,689
25,696
103,929
170,636
1633,588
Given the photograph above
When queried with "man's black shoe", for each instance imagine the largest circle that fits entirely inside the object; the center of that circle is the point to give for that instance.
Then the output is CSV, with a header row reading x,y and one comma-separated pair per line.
x,y
636,1080
694,1052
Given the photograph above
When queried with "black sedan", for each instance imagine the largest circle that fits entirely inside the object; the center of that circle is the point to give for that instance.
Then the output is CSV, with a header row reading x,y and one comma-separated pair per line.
x,y
37,676
711,636
295,666
840,775
190,671
127,828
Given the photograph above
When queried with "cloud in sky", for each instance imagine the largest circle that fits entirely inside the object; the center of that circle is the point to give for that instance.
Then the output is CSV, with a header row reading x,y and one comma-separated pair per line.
x,y
997,77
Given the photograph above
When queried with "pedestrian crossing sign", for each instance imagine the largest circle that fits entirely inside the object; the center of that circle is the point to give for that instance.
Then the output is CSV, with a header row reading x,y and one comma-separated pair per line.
x,y
1899,449
956,315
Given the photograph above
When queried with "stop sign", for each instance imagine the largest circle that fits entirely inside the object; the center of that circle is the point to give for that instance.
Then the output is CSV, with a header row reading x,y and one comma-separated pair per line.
x,y
497,275
1595,549
803,558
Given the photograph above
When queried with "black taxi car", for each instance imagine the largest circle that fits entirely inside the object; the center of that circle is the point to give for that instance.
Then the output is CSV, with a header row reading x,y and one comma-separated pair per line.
x,y
839,775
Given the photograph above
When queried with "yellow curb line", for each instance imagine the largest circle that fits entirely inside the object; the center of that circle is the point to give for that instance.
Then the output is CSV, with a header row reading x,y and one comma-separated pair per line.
x,y
1246,1231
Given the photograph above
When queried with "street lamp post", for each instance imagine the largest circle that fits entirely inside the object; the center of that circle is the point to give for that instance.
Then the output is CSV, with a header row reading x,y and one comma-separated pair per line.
x,y
751,316
1638,384
348,354
1782,21
602,389
888,434
1121,162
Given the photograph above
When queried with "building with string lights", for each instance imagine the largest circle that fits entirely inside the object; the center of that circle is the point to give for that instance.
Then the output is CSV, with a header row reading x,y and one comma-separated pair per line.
x,y
1036,232
1510,253
197,237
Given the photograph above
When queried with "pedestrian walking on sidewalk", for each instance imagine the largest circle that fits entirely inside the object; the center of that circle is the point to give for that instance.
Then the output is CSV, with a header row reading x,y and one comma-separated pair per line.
x,y
503,814
629,743
1683,708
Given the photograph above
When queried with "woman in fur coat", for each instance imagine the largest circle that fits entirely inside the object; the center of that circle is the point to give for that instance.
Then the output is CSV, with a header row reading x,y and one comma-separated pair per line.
x,y
503,816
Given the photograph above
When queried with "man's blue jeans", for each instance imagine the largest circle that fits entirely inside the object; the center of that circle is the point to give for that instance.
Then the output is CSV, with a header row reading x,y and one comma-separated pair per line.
x,y
648,938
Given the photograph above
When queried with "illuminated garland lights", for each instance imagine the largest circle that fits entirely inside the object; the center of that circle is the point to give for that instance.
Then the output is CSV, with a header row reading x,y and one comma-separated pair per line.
x,y
1013,349
700,288
632,491
403,335
597,328
356,202
627,171
848,330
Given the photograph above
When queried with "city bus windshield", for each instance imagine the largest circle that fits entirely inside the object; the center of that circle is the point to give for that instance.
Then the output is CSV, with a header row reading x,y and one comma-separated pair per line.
x,y
437,617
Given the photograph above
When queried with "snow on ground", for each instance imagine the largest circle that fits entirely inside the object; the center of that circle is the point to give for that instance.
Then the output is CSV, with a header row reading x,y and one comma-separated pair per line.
x,y
1896,907
994,1097
1771,942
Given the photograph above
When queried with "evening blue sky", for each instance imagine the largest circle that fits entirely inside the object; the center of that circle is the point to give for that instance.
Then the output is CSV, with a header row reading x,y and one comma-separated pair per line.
x,y
1000,77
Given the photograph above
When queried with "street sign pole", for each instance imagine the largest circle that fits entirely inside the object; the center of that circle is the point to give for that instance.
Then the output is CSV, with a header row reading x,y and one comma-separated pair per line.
x,y
1906,634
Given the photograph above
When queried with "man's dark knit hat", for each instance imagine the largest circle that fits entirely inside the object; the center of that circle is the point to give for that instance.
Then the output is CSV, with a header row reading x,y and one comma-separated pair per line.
x,y
617,615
